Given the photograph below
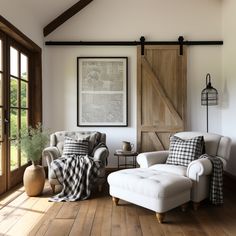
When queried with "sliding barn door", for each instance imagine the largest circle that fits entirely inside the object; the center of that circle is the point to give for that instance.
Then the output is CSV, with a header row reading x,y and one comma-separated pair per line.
x,y
161,96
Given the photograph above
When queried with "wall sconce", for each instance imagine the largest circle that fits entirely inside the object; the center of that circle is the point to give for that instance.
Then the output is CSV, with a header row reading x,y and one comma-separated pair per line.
x,y
209,96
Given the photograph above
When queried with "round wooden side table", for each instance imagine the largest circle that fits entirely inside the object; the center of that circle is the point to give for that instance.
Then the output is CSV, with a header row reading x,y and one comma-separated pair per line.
x,y
125,155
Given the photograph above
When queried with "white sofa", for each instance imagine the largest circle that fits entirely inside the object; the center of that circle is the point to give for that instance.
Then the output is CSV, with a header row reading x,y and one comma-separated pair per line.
x,y
199,170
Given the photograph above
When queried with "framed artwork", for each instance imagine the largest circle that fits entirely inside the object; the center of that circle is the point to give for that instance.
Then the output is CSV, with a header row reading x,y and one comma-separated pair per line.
x,y
102,92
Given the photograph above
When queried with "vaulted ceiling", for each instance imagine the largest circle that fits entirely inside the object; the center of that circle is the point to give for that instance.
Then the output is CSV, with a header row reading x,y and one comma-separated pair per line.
x,y
47,10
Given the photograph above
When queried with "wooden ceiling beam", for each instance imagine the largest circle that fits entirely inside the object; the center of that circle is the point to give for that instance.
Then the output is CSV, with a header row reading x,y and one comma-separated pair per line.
x,y
65,16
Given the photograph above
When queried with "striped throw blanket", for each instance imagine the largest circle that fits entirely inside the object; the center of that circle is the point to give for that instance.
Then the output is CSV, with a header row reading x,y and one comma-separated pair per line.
x,y
77,174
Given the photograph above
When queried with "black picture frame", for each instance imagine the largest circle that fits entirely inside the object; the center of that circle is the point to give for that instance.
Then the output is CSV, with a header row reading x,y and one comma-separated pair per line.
x,y
102,91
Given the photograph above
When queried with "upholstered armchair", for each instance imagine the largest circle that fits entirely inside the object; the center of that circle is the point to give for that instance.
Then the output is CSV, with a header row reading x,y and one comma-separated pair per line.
x,y
55,151
198,170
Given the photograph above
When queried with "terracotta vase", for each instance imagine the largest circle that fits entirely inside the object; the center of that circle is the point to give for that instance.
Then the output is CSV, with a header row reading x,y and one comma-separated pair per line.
x,y
34,179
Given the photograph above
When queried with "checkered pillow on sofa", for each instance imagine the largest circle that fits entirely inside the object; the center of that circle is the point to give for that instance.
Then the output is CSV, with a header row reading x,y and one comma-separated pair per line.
x,y
184,151
78,147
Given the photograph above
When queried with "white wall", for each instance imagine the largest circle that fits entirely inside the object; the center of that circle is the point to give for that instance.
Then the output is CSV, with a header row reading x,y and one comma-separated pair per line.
x,y
229,78
60,100
128,20
23,19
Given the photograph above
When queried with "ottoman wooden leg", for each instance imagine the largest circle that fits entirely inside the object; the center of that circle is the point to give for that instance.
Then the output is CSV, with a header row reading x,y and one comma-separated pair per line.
x,y
115,200
160,217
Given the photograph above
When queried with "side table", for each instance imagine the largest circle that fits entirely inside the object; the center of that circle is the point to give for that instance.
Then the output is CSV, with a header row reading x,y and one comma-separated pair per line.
x,y
125,155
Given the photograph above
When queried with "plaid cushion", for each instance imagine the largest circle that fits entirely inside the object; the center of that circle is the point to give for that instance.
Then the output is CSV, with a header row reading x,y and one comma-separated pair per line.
x,y
184,151
77,147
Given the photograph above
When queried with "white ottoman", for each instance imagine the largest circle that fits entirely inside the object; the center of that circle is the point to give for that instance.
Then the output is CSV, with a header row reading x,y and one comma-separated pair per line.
x,y
155,190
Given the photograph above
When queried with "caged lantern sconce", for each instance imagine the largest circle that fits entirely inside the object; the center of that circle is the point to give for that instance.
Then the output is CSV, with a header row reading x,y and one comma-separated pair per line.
x,y
209,96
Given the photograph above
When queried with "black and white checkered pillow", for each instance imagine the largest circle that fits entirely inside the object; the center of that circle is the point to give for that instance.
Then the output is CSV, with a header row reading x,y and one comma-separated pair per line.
x,y
78,147
184,151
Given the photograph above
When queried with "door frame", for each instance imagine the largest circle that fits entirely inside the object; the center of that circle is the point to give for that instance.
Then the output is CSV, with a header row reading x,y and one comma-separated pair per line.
x,y
35,87
4,176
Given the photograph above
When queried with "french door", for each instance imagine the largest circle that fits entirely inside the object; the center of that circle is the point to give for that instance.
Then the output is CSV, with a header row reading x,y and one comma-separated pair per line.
x,y
3,172
14,110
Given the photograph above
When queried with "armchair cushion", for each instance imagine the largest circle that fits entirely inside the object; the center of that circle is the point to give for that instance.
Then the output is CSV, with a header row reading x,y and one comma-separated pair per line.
x,y
173,169
93,140
78,147
182,152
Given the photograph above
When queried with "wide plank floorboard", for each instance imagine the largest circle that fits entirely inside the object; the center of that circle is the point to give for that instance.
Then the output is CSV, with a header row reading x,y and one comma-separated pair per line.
x,y
22,215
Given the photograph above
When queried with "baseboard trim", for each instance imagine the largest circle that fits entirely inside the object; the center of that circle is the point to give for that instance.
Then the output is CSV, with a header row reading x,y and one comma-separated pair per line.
x,y
229,181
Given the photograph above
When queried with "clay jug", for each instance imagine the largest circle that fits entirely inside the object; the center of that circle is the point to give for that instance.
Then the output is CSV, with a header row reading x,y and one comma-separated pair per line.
x,y
127,146
34,179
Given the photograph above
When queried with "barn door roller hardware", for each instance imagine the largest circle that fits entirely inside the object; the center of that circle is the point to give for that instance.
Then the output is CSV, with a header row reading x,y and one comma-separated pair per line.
x,y
142,42
180,42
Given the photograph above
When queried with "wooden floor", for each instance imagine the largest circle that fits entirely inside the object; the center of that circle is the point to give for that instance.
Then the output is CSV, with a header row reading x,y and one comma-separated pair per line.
x,y
23,215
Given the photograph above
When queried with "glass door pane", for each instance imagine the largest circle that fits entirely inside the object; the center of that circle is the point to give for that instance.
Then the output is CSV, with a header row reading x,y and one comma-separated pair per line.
x,y
14,155
14,62
24,67
24,94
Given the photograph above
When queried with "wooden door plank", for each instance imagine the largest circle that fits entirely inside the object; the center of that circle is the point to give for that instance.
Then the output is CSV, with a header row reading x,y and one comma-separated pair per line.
x,y
161,129
139,97
161,94
159,89
156,141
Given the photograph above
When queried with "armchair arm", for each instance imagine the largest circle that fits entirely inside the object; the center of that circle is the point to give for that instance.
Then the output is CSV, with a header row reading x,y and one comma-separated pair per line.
x,y
101,155
50,154
147,159
198,168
